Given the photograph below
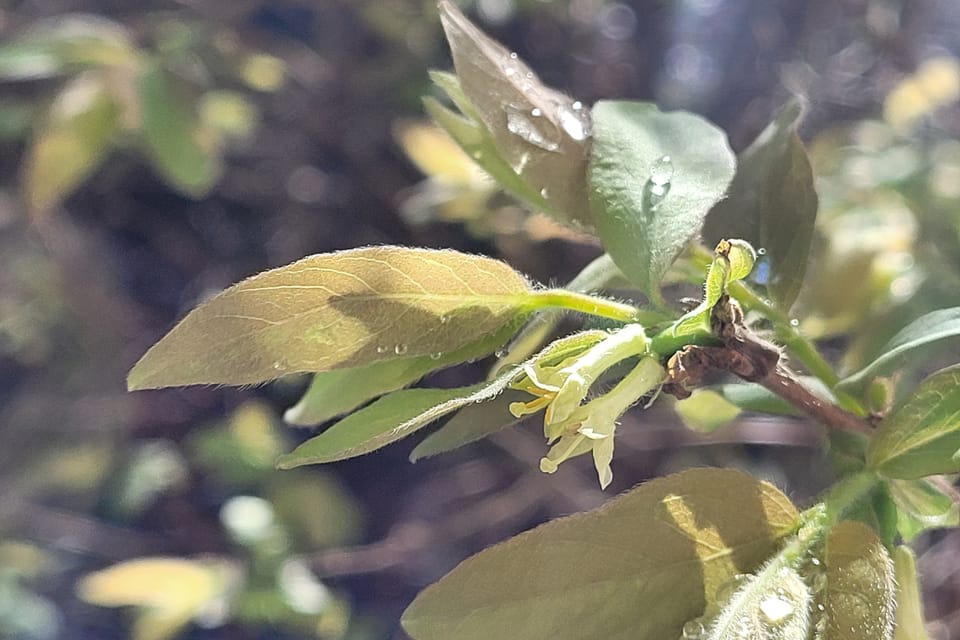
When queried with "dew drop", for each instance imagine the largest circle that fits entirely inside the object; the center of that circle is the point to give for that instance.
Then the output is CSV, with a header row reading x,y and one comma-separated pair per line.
x,y
794,322
574,122
776,610
280,365
536,113
436,355
658,185
513,55
761,251
400,349
501,353
543,193
520,125
661,173
381,349
693,630
815,562
444,319
577,105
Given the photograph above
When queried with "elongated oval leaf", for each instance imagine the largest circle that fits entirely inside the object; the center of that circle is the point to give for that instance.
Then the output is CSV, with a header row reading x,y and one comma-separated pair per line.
x,y
653,176
937,325
387,420
542,134
921,436
337,310
772,204
909,618
176,145
333,393
71,143
922,506
859,596
636,569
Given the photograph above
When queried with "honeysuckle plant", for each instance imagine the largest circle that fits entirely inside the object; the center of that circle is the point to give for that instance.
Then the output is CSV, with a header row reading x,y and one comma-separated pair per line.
x,y
702,554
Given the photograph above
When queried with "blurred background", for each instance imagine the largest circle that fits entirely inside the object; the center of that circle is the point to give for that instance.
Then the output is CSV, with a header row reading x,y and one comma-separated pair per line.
x,y
153,153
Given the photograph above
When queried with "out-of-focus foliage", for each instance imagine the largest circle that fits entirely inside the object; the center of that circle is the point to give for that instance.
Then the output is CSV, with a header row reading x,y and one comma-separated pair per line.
x,y
111,94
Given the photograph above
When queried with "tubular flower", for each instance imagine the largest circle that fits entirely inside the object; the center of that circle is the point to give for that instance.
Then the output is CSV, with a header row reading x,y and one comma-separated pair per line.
x,y
591,426
572,427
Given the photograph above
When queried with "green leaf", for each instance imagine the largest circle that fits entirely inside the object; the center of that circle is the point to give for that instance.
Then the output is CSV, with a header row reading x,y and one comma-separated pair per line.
x,y
182,151
706,411
859,596
387,420
921,436
541,134
773,605
64,44
653,176
922,506
71,142
333,393
477,142
471,423
637,568
922,332
847,450
334,311
772,204
909,617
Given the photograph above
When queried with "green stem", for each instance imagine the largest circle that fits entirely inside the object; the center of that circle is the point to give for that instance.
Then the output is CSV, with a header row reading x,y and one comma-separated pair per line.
x,y
592,305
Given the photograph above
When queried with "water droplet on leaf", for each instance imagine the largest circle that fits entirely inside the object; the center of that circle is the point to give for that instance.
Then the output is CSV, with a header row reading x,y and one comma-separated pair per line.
x,y
400,349
693,630
381,349
573,122
520,125
794,322
776,610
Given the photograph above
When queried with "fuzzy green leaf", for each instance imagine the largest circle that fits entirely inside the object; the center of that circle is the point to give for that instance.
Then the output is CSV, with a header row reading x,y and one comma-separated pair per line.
x,y
183,153
72,141
541,134
908,344
922,506
772,605
859,596
921,436
337,310
471,423
387,420
637,568
653,176
772,204
336,392
909,618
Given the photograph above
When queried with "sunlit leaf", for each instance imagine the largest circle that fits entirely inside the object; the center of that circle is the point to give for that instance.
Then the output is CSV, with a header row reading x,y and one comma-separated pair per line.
x,y
171,591
733,260
541,134
706,411
333,393
183,152
922,506
921,435
772,605
71,141
337,310
438,156
66,43
909,617
907,345
653,176
772,204
387,420
859,595
637,569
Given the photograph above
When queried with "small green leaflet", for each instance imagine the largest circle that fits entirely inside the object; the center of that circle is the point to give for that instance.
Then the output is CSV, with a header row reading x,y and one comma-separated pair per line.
x,y
922,506
909,618
638,568
925,330
653,176
338,310
733,260
921,436
389,419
